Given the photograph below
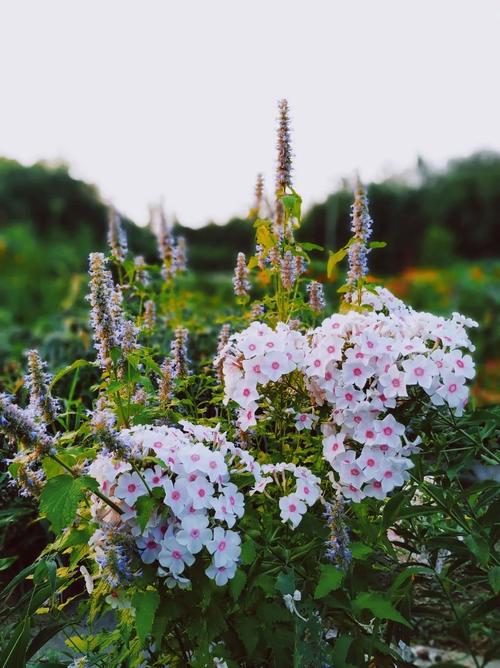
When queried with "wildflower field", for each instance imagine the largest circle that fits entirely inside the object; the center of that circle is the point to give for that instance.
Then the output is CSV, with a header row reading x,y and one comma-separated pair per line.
x,y
296,466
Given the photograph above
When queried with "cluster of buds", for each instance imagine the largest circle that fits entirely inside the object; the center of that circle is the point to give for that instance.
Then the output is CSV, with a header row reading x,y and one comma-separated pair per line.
x,y
42,405
241,283
172,252
141,273
18,426
149,318
103,423
117,238
361,226
316,296
288,275
165,382
337,544
222,341
178,351
284,162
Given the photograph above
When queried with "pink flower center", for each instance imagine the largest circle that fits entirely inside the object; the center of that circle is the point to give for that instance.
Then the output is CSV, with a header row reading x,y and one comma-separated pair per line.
x,y
335,446
105,485
252,347
396,382
328,376
176,495
387,431
357,419
452,388
195,533
303,418
195,458
292,507
275,365
156,479
348,396
369,434
354,471
377,484
317,363
370,344
359,356
151,544
419,371
388,474
357,371
460,364
384,447
131,488
306,490
176,554
256,368
370,462
221,546
201,493
331,349
213,465
270,344
157,445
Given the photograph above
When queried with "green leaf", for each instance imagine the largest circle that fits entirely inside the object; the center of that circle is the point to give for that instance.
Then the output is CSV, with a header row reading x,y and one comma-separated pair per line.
x,y
145,604
60,498
494,579
292,204
377,244
14,654
344,288
379,606
479,548
237,584
333,260
248,552
248,631
360,551
330,579
144,506
77,364
6,562
285,582
309,247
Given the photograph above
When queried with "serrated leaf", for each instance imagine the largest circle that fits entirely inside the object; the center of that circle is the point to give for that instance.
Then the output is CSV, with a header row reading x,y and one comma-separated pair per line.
x,y
285,582
60,498
330,579
145,604
379,606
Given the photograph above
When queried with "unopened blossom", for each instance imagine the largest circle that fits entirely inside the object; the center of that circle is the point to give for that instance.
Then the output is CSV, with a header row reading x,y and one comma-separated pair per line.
x,y
284,161
42,405
241,283
117,238
180,255
128,337
337,544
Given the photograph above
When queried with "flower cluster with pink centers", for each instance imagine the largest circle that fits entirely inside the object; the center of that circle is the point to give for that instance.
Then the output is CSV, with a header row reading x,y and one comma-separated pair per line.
x,y
358,368
198,505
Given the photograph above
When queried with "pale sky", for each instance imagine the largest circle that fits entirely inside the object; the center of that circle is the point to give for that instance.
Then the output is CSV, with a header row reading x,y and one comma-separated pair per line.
x,y
177,98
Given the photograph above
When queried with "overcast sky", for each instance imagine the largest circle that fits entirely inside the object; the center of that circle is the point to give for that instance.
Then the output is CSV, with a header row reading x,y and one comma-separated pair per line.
x,y
177,98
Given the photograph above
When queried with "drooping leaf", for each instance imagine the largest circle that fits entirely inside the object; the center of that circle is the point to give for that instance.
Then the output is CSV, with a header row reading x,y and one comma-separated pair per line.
x,y
333,260
494,579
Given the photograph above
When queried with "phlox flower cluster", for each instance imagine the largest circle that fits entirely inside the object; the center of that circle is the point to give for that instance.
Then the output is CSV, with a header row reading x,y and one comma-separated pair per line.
x,y
198,507
255,357
358,367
